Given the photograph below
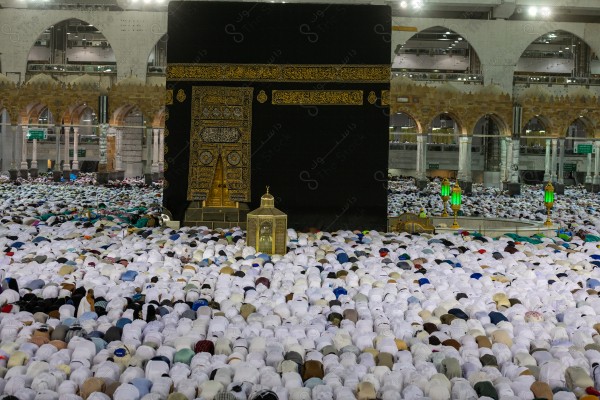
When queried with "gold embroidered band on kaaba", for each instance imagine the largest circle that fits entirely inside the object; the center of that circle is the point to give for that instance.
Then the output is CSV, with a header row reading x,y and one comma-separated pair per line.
x,y
374,73
317,97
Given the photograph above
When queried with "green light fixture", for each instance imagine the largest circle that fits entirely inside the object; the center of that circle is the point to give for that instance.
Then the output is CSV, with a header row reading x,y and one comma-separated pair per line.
x,y
445,194
455,202
548,201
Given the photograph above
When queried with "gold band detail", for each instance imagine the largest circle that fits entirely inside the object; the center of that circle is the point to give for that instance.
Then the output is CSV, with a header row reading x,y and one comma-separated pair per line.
x,y
279,73
317,97
385,97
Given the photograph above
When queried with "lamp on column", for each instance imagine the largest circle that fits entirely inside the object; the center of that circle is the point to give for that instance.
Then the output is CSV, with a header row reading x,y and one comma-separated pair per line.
x,y
445,194
548,201
455,202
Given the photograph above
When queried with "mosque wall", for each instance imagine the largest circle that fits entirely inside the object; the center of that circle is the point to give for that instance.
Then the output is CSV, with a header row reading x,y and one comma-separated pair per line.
x,y
402,162
79,54
424,103
132,151
131,34
498,43
557,90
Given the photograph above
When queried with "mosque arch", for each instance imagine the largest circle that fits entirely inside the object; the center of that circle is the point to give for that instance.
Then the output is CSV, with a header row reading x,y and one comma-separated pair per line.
x,y
128,128
487,133
560,53
157,57
500,127
86,121
535,132
404,127
71,46
579,129
445,128
159,118
119,115
39,114
442,48
4,115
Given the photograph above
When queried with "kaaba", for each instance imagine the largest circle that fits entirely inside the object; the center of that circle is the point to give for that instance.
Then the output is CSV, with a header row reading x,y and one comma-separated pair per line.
x,y
290,96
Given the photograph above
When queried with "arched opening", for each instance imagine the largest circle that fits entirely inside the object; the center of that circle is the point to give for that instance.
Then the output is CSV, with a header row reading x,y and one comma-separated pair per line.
x,y
85,122
443,133
157,60
128,141
486,137
403,129
88,123
555,57
44,120
579,130
438,53
534,136
72,47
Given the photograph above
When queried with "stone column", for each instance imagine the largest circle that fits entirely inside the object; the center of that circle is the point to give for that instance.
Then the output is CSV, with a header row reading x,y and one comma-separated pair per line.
x,y
421,180
66,163
596,179
118,159
503,159
464,163
75,169
149,156
509,159
553,160
57,173
161,153
513,185
23,166
102,174
514,170
155,161
119,168
547,173
561,161
588,172
470,160
34,164
5,141
13,172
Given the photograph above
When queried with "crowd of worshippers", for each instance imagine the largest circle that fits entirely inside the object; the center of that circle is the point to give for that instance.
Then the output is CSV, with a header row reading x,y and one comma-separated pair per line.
x,y
94,307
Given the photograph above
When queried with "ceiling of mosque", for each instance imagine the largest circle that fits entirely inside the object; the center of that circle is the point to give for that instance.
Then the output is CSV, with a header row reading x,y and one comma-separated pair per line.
x,y
565,10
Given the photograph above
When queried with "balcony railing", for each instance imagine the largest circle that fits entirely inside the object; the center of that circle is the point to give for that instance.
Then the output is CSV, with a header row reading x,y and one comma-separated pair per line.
x,y
541,150
73,68
438,76
157,70
558,80
431,147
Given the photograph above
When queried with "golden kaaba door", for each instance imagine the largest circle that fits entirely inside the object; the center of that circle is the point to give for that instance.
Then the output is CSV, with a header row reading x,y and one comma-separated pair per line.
x,y
219,170
218,196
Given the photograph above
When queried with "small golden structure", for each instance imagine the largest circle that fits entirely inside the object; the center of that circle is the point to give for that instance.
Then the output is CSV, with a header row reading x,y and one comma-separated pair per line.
x,y
267,227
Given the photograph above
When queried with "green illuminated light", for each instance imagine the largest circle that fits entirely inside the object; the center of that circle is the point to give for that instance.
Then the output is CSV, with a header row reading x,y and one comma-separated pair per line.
x,y
445,191
456,198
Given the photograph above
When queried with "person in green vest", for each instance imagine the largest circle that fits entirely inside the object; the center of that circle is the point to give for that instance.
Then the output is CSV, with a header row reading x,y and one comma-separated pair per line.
x,y
422,213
